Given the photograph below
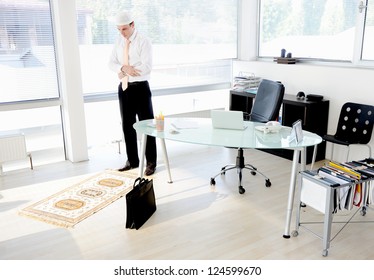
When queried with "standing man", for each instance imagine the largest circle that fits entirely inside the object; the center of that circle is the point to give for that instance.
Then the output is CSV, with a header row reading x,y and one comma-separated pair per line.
x,y
131,59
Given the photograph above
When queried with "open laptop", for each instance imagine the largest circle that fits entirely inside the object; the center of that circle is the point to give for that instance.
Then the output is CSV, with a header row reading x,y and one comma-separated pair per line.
x,y
227,119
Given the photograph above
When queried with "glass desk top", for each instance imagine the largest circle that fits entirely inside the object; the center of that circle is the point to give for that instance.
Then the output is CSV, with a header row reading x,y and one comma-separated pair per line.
x,y
200,131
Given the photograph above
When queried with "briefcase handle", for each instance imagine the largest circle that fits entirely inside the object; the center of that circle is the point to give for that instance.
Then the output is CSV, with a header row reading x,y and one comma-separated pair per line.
x,y
138,182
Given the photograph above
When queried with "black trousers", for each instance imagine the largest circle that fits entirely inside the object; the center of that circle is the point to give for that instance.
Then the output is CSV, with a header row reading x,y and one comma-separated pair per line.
x,y
136,101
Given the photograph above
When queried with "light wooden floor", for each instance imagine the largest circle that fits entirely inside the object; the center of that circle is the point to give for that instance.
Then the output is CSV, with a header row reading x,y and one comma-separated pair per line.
x,y
192,220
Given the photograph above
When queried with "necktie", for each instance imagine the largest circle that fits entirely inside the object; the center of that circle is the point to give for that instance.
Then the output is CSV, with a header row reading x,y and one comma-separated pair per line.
x,y
125,79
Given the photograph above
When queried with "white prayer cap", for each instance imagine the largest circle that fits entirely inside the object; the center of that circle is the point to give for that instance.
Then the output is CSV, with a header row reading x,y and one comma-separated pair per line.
x,y
123,18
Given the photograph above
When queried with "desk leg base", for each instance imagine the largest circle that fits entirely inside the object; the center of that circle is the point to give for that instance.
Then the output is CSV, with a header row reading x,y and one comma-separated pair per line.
x,y
286,236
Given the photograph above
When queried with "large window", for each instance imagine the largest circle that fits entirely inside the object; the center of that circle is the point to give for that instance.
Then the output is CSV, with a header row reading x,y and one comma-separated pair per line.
x,y
28,88
320,29
27,53
193,41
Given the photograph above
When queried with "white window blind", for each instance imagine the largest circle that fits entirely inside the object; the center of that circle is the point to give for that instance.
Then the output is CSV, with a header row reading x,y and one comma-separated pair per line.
x,y
27,52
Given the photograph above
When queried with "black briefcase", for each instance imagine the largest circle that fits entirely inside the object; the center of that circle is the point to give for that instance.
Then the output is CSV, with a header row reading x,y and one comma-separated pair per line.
x,y
140,203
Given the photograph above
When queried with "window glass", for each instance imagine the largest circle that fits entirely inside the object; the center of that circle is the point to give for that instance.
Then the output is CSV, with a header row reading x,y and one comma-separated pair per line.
x,y
27,53
43,133
368,46
320,29
193,40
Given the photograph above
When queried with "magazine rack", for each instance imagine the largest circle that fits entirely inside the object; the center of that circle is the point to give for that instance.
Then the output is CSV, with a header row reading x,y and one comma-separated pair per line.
x,y
328,197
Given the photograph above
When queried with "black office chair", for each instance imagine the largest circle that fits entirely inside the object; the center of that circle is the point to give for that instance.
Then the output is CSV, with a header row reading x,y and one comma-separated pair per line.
x,y
355,127
265,108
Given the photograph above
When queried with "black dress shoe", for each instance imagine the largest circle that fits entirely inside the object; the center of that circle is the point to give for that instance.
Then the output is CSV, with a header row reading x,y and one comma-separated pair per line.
x,y
150,169
128,166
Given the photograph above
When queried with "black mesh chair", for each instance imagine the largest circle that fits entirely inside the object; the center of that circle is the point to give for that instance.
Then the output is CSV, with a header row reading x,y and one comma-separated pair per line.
x,y
265,108
355,127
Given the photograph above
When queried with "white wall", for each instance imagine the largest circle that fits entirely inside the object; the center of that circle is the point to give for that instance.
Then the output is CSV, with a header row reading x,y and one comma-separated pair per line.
x,y
337,84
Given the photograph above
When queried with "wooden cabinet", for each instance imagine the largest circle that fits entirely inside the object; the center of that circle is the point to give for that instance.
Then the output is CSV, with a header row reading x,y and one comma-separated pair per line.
x,y
314,116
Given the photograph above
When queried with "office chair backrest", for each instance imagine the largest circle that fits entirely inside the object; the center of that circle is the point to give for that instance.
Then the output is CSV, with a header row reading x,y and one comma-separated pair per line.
x,y
355,124
267,102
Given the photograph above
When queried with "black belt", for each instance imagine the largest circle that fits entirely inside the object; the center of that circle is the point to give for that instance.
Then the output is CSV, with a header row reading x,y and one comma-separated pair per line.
x,y
136,83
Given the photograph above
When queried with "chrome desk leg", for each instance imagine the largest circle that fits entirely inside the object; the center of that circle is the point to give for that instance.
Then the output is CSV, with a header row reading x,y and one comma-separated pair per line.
x,y
303,160
166,159
302,166
142,155
291,192
327,221
314,156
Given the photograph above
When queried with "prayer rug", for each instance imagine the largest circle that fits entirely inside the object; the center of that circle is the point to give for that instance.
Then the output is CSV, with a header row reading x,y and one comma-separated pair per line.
x,y
79,201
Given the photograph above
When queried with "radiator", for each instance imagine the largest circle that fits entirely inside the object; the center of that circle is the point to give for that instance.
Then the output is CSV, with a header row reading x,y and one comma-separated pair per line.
x,y
13,147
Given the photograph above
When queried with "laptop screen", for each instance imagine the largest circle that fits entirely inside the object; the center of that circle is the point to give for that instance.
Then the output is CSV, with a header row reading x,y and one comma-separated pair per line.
x,y
227,119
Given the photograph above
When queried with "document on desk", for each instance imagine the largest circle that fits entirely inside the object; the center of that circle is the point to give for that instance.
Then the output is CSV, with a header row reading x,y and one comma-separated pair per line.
x,y
184,124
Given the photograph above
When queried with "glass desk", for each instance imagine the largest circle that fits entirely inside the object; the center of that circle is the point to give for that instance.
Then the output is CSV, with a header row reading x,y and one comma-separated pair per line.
x,y
200,131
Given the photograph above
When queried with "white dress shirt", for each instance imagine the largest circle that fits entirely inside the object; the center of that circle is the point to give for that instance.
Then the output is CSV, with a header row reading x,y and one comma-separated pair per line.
x,y
140,56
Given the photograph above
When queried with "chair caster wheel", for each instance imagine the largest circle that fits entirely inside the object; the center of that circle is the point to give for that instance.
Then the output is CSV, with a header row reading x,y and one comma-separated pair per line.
x,y
267,183
241,190
253,173
212,182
